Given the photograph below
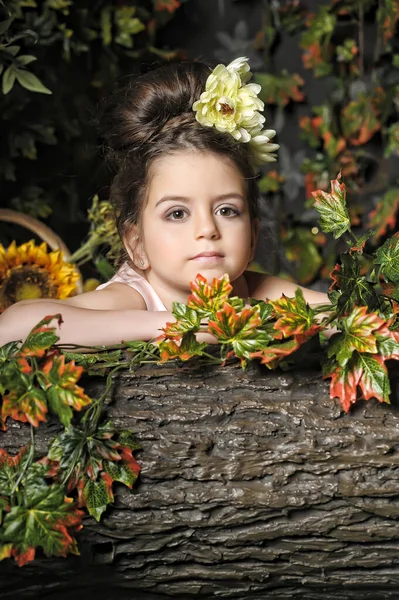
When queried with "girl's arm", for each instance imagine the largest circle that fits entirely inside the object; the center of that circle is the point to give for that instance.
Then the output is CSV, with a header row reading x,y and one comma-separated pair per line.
x,y
103,317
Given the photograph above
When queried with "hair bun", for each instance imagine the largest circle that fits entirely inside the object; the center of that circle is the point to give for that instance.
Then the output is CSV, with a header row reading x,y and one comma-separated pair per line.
x,y
145,107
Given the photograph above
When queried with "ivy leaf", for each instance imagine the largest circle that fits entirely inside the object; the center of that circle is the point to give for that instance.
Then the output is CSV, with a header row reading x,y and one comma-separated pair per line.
x,y
61,389
186,349
383,217
374,382
208,298
294,315
230,324
387,256
41,338
94,461
10,466
361,242
273,354
241,329
358,335
354,288
344,381
334,216
28,407
45,520
7,351
97,495
188,319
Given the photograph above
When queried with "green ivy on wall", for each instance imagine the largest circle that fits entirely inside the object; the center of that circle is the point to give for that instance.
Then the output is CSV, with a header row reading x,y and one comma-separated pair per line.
x,y
349,47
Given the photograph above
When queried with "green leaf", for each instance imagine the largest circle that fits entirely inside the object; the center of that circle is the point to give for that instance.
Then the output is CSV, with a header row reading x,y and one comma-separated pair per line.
x,y
334,216
7,351
387,256
13,50
188,318
58,405
26,59
8,79
30,82
374,382
97,495
354,288
4,25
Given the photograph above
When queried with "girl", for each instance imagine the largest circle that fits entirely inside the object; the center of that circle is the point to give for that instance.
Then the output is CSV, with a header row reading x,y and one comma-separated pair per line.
x,y
184,141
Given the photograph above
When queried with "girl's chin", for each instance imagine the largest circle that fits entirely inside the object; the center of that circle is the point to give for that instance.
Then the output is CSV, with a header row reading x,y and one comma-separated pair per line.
x,y
210,271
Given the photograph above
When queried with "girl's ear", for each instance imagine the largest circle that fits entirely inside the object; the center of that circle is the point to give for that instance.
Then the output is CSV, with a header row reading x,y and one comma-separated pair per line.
x,y
135,248
254,237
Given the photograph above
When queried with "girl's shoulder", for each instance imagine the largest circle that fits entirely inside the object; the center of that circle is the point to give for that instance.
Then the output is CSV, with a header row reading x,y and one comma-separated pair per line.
x,y
263,285
256,283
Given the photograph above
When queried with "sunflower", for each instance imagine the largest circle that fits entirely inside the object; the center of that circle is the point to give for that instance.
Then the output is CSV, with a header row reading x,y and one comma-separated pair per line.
x,y
29,271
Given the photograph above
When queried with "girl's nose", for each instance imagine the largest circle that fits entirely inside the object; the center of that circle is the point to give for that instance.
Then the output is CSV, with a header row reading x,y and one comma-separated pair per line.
x,y
206,227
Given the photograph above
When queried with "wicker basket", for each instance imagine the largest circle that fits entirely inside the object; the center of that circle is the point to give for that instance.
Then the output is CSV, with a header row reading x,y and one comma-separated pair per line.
x,y
42,231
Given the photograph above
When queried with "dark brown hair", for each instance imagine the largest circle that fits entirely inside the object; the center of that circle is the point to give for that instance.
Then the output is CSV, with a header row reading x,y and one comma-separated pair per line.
x,y
152,116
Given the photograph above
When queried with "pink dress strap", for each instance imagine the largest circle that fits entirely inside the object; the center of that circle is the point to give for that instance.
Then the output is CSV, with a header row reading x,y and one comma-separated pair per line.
x,y
126,274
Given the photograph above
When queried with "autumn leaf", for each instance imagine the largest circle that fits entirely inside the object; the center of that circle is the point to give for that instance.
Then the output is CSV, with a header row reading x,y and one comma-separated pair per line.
x,y
44,519
60,386
184,349
93,462
241,328
272,355
294,315
41,338
344,381
374,382
36,514
28,407
360,118
383,217
334,216
208,298
358,334
187,319
10,465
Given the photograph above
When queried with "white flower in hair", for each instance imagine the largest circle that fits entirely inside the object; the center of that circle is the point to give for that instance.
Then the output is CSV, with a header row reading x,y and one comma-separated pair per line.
x,y
232,106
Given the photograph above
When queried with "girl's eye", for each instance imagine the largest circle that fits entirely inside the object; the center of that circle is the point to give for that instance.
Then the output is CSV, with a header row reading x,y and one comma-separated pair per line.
x,y
228,211
177,215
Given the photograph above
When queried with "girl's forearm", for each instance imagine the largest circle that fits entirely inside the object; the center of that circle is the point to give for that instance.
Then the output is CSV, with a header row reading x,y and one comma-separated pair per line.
x,y
82,326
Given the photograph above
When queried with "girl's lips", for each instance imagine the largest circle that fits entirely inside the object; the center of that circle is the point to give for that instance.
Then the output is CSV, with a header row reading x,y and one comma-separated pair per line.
x,y
208,257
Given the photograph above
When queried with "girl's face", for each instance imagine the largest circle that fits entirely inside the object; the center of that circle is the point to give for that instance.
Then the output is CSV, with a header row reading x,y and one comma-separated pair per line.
x,y
196,220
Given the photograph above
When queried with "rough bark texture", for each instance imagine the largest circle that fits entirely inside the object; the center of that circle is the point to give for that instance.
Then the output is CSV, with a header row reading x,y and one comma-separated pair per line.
x,y
254,484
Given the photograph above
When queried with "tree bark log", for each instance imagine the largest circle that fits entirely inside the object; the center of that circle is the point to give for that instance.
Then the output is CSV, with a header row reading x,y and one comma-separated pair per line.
x,y
254,484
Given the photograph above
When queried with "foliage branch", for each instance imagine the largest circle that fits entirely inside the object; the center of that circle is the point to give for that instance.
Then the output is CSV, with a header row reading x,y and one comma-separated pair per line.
x,y
58,58
41,498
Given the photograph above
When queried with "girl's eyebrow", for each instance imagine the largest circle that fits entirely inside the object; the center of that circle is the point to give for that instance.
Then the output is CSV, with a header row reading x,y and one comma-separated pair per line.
x,y
187,199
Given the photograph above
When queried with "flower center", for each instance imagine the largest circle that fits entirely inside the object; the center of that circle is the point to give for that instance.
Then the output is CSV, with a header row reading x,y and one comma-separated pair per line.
x,y
26,282
226,109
